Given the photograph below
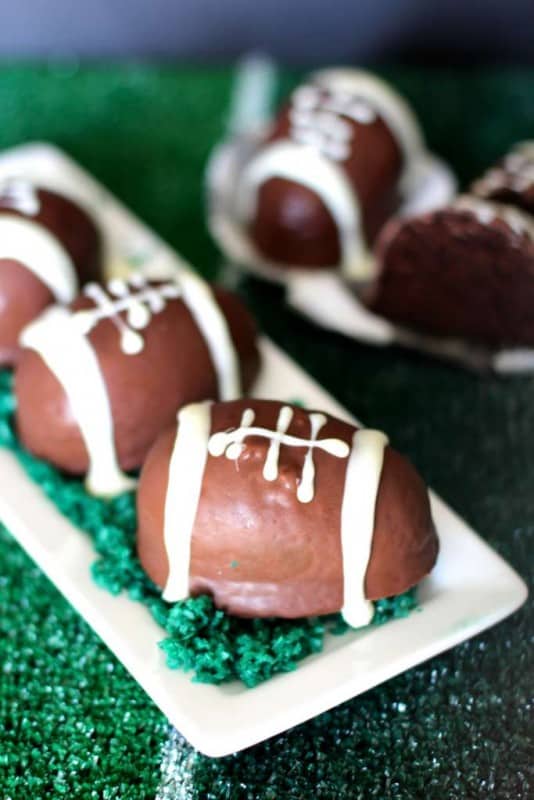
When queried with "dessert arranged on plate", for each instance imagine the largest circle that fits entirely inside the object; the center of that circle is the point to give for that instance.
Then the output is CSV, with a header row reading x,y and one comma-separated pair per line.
x,y
332,198
272,510
465,270
98,380
312,191
277,511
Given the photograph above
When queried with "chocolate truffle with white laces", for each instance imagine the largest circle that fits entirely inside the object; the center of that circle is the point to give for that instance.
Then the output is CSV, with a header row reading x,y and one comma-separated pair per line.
x,y
49,247
328,174
465,271
278,511
99,380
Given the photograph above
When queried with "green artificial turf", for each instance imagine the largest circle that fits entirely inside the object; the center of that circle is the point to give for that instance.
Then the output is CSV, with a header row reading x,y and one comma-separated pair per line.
x,y
72,722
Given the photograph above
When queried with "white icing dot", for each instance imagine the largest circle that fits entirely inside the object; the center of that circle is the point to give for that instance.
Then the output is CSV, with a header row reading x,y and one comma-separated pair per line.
x,y
248,417
306,97
138,315
118,287
485,215
156,300
131,342
217,444
362,112
137,280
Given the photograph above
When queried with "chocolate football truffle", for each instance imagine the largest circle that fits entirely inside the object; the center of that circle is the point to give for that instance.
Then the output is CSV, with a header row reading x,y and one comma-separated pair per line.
x,y
330,172
98,381
510,181
49,246
278,511
465,271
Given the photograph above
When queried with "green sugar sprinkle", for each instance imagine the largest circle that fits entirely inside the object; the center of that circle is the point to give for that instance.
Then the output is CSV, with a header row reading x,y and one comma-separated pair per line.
x,y
215,646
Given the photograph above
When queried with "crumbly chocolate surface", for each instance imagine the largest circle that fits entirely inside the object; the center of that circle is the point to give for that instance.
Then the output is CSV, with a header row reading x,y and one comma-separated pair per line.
x,y
465,271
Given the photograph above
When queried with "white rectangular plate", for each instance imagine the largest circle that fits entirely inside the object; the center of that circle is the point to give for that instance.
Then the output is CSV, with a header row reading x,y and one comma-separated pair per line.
x,y
470,589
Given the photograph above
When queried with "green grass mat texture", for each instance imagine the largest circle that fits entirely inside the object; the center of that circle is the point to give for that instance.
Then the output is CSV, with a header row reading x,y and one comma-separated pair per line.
x,y
73,723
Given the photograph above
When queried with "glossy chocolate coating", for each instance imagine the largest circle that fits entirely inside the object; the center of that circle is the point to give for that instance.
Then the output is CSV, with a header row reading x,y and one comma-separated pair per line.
x,y
448,273
22,294
22,298
145,390
258,550
292,225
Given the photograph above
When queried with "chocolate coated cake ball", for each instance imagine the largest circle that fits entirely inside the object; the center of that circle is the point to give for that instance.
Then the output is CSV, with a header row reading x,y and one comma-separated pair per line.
x,y
464,271
98,381
329,173
278,511
49,246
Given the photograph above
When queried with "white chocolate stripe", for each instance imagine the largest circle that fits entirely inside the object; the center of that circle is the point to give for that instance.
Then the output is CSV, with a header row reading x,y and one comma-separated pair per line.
x,y
305,491
186,471
362,480
71,358
270,468
307,166
39,251
213,326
